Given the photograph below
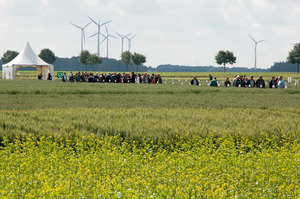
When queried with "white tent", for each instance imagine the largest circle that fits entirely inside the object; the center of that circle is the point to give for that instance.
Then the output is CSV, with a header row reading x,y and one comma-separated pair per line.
x,y
27,58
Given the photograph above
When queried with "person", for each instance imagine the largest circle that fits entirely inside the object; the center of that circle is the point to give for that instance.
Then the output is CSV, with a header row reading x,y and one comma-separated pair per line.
x,y
96,77
64,77
251,82
245,82
260,82
214,82
272,83
281,82
159,79
70,75
237,82
49,76
227,82
210,77
133,76
195,81
78,77
153,79
40,76
72,78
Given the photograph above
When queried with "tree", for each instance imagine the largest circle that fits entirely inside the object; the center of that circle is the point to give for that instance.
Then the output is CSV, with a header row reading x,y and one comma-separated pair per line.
x,y
225,57
8,56
126,58
138,59
84,55
294,56
47,55
93,59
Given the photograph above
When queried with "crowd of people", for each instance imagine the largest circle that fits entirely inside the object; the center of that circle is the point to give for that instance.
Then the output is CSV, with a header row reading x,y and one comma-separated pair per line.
x,y
112,77
243,81
238,81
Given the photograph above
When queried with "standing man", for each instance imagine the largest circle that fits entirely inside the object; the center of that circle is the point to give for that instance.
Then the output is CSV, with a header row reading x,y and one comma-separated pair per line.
x,y
251,82
260,82
272,83
281,82
194,81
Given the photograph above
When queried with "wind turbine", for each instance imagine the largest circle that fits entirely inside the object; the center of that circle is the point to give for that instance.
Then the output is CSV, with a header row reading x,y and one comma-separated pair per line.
x,y
98,33
129,42
122,37
107,40
256,42
82,34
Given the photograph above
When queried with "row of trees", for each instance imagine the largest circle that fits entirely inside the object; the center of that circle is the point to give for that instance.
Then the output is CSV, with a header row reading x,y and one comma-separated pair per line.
x,y
46,54
135,58
86,58
126,58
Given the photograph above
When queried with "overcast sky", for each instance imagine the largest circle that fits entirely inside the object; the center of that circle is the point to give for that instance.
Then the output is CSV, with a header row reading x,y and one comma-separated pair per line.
x,y
189,32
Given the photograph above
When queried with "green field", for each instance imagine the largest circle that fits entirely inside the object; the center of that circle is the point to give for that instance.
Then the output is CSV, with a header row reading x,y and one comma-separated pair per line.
x,y
82,140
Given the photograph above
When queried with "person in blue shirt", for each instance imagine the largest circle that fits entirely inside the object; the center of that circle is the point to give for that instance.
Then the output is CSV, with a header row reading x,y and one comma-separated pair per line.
x,y
281,82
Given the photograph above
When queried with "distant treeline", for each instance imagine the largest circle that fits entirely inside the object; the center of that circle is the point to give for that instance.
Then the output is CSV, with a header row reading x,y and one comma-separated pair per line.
x,y
283,67
176,68
73,64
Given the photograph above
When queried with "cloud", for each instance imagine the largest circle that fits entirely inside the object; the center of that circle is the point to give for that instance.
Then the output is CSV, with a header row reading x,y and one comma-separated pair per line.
x,y
166,29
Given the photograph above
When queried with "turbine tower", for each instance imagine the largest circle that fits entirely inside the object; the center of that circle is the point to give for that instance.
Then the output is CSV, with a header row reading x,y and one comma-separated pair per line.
x,y
256,42
122,37
98,33
129,42
82,34
107,40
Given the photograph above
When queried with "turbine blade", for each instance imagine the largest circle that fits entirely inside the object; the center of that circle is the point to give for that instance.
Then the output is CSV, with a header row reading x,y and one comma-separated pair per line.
x,y
133,37
113,36
93,35
118,34
103,35
106,23
128,35
261,41
87,25
103,40
76,26
252,38
93,21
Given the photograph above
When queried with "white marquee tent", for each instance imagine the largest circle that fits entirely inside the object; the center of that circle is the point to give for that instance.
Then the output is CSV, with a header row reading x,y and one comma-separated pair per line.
x,y
27,58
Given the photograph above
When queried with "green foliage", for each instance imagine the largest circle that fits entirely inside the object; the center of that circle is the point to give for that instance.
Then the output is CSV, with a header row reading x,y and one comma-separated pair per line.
x,y
8,56
47,55
83,57
138,59
294,56
225,57
93,59
126,58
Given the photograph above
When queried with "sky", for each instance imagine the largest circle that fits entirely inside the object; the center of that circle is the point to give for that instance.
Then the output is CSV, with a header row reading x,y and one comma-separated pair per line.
x,y
189,32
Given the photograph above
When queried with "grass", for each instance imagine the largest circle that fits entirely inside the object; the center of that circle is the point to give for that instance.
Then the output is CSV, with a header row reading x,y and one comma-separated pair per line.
x,y
81,140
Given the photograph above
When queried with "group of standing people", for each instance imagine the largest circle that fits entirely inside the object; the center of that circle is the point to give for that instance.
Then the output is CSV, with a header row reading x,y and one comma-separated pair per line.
x,y
112,77
243,81
40,76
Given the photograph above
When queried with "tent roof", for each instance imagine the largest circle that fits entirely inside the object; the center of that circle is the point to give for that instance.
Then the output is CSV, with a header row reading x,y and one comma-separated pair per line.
x,y
27,57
